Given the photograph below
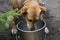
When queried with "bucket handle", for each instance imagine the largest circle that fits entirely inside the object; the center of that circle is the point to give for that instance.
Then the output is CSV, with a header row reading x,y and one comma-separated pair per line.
x,y
46,30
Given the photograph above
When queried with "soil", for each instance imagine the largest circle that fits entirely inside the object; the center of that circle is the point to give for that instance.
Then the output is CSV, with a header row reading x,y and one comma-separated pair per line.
x,y
52,17
7,35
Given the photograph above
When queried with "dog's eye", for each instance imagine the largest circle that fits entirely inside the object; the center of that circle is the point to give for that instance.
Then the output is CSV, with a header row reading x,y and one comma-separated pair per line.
x,y
25,13
30,20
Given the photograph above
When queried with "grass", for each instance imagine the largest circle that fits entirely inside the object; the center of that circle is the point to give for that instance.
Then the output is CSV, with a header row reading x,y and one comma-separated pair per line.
x,y
6,18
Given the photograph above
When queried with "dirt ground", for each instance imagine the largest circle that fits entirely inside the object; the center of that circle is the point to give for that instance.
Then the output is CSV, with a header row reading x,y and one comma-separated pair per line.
x,y
52,17
53,20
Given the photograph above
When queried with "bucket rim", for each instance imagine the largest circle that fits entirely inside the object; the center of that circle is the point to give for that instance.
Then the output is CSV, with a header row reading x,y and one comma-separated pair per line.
x,y
33,30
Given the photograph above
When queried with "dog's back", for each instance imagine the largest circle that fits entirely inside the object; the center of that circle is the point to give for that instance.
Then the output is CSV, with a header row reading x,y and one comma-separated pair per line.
x,y
16,3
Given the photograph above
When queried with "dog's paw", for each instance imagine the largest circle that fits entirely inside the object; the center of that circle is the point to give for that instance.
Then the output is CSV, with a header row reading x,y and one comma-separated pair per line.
x,y
14,31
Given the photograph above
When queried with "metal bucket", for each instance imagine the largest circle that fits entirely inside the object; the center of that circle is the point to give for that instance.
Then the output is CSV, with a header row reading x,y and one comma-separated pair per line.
x,y
37,34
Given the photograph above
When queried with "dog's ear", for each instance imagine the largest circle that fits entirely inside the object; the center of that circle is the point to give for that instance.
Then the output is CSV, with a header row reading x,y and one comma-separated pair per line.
x,y
43,8
24,10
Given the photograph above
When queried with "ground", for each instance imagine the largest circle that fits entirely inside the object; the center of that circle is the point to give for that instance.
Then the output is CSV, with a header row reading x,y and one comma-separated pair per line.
x,y
53,20
52,17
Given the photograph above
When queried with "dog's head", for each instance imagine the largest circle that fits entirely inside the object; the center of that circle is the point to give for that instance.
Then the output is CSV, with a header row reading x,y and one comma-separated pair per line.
x,y
33,13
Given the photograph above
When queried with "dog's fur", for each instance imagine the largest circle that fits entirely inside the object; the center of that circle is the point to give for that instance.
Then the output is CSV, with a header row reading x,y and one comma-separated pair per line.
x,y
31,11
16,4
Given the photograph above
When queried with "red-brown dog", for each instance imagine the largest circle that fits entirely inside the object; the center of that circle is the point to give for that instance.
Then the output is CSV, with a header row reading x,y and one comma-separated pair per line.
x,y
32,12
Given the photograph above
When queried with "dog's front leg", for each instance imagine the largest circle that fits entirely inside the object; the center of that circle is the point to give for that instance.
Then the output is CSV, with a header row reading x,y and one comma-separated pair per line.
x,y
13,29
35,25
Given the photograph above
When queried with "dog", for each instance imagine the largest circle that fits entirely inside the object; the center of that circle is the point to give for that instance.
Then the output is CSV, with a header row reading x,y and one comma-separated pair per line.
x,y
32,12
